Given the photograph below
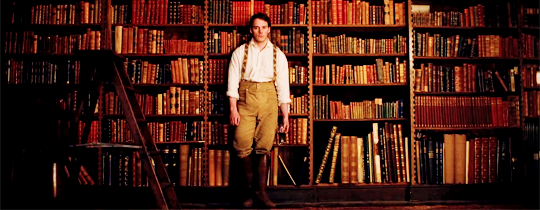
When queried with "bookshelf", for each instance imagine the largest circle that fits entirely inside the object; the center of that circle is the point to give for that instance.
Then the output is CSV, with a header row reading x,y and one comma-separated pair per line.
x,y
317,129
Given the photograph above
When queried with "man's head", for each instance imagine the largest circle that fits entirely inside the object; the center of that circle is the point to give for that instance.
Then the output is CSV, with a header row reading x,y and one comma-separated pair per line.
x,y
259,27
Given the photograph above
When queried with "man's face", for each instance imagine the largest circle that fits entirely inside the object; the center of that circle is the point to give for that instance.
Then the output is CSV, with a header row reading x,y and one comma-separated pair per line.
x,y
260,30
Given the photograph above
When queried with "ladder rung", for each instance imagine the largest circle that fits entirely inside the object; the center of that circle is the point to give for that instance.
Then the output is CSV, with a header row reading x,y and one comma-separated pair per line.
x,y
141,120
165,185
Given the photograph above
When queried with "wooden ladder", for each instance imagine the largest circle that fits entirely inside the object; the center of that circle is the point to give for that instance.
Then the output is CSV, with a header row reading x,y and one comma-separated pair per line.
x,y
105,65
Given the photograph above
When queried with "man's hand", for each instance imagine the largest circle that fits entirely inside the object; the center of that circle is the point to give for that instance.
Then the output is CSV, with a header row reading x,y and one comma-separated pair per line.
x,y
285,112
235,118
285,125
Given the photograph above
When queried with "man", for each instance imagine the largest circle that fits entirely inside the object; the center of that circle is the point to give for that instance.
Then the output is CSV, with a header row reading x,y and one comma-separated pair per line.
x,y
258,84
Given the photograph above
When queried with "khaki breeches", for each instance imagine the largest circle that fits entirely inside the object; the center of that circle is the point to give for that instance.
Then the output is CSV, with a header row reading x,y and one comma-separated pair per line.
x,y
258,109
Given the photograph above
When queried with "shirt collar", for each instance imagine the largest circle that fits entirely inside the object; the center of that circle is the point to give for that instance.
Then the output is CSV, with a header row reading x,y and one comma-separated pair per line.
x,y
268,43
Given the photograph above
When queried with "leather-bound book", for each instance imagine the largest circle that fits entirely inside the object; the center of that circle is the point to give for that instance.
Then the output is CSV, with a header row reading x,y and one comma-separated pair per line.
x,y
492,153
376,153
353,160
345,160
327,151
334,158
226,164
184,154
219,167
484,162
449,169
212,167
460,154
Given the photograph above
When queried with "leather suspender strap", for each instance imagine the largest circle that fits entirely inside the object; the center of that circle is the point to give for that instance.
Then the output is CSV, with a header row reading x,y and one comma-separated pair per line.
x,y
275,63
244,62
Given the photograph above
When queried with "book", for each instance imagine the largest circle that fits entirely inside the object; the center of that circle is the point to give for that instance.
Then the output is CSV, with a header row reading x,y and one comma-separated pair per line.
x,y
326,152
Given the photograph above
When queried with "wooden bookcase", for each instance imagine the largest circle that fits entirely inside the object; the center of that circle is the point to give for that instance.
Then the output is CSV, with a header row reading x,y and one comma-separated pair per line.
x,y
310,60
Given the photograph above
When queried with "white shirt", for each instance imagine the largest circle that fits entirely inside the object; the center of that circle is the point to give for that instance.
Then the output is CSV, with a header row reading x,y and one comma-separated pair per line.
x,y
259,68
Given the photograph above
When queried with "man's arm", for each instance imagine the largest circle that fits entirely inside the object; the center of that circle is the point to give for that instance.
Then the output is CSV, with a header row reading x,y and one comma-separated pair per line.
x,y
282,88
232,87
234,117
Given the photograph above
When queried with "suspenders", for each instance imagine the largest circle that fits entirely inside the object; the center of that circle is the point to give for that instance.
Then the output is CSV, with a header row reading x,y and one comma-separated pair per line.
x,y
244,62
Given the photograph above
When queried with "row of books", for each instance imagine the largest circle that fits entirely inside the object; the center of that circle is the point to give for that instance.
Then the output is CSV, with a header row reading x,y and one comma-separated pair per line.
x,y
217,69
93,136
357,12
217,101
530,16
530,46
27,42
298,74
117,131
381,156
467,111
297,134
290,40
378,73
531,137
286,13
298,105
79,12
158,12
219,133
465,78
366,109
225,42
218,167
531,75
343,44
84,177
135,40
437,45
325,109
43,72
461,159
68,102
228,12
531,103
490,15
191,164
122,168
181,71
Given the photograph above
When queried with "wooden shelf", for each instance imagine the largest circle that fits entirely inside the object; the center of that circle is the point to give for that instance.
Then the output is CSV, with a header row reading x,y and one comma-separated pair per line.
x,y
531,59
290,115
40,55
360,120
361,185
291,145
532,118
465,28
230,54
155,116
167,85
273,25
357,28
298,85
464,58
161,55
531,88
531,29
289,25
467,128
362,85
358,55
181,142
106,145
160,25
467,93
48,26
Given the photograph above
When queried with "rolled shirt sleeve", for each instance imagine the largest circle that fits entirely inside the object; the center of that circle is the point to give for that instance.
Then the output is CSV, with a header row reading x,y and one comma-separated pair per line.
x,y
234,73
282,79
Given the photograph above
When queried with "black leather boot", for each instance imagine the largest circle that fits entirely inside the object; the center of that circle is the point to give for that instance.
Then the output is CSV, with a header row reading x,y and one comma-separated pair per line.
x,y
262,173
248,171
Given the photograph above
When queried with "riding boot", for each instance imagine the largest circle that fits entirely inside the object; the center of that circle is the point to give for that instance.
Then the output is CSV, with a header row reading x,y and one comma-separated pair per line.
x,y
248,170
262,173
